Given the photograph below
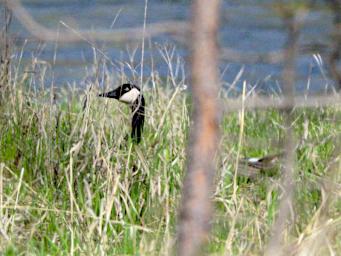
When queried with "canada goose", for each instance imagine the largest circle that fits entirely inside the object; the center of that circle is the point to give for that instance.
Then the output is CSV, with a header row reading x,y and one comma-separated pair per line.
x,y
132,95
252,166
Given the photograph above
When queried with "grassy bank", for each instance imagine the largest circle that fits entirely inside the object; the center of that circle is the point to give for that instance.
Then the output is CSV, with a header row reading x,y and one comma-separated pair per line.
x,y
70,180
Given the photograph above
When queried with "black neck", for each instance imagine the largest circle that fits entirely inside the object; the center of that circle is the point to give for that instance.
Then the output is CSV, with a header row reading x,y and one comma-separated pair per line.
x,y
138,119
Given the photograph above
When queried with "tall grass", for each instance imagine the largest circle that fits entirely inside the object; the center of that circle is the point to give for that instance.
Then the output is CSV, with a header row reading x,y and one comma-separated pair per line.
x,y
71,181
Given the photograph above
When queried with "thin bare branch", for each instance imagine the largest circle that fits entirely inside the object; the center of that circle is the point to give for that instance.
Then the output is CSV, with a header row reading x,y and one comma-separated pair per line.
x,y
287,185
5,50
42,33
335,55
248,57
258,102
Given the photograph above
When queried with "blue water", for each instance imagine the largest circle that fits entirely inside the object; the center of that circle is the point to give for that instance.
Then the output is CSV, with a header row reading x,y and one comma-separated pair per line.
x,y
246,26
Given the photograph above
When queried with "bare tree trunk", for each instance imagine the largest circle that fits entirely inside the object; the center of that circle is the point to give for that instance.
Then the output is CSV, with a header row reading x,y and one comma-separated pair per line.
x,y
196,210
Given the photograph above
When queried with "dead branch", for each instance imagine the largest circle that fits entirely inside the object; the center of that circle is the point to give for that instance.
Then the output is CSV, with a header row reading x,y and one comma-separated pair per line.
x,y
45,34
178,30
5,51
275,245
335,55
196,212
281,103
249,57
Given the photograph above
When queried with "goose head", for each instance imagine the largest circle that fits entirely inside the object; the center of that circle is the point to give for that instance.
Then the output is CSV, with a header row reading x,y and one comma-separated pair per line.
x,y
132,95
126,93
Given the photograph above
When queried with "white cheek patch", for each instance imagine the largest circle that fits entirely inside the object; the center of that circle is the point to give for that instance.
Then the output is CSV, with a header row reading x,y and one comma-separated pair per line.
x,y
130,97
253,160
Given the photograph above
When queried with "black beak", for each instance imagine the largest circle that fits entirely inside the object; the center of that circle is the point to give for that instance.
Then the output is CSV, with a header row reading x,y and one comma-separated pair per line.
x,y
112,94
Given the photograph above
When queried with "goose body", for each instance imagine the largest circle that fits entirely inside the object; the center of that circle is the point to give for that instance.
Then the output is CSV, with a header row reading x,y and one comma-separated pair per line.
x,y
132,95
262,163
251,167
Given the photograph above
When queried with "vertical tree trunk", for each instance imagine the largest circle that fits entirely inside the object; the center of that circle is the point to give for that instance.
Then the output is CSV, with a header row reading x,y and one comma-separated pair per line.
x,y
196,210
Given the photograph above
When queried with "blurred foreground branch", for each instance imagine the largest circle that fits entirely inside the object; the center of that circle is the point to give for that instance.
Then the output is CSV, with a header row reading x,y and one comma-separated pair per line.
x,y
335,55
42,33
257,102
196,212
4,50
275,246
